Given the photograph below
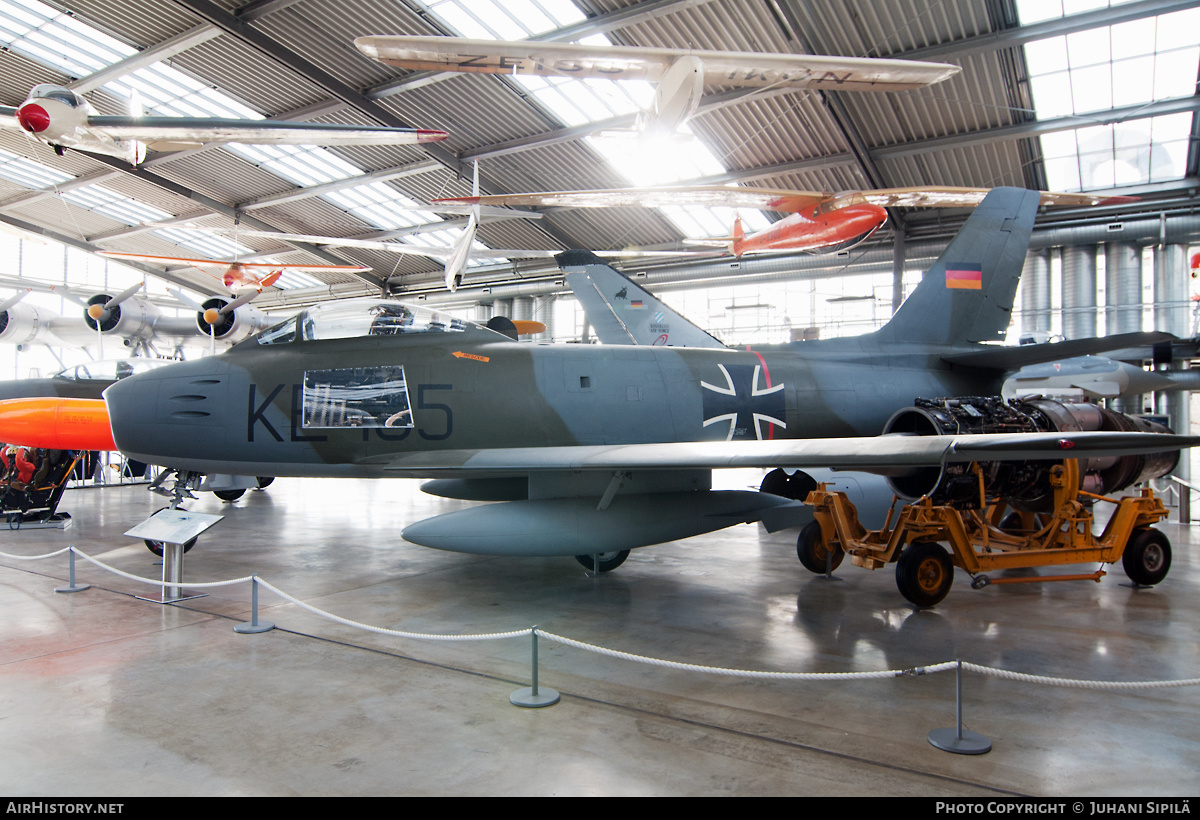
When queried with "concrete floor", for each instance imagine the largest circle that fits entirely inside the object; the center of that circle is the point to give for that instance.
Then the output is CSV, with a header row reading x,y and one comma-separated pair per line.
x,y
104,694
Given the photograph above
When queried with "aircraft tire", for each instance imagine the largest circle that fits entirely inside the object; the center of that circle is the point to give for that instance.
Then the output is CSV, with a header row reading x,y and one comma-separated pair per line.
x,y
813,552
156,547
924,573
264,481
608,560
1147,557
229,495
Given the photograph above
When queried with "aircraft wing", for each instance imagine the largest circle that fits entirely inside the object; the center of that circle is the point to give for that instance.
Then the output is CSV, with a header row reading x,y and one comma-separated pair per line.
x,y
953,197
174,133
729,68
1004,357
714,196
215,263
883,455
442,252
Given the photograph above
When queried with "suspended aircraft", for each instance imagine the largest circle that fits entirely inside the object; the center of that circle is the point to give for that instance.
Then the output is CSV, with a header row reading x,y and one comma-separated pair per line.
x,y
679,75
245,280
63,119
817,222
594,450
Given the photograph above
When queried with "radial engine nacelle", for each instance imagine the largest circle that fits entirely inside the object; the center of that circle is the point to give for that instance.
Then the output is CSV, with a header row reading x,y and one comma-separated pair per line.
x,y
233,326
23,324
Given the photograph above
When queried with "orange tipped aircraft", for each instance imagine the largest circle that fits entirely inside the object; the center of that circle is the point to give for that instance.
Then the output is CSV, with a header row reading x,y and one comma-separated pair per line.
x,y
817,222
239,277
57,423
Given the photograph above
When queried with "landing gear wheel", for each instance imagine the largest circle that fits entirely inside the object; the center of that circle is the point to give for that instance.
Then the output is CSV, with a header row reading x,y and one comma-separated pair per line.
x,y
1147,557
924,573
229,495
264,481
608,560
813,552
156,547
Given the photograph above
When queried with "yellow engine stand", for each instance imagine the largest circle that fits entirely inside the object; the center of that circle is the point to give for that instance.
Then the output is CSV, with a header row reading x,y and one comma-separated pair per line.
x,y
988,539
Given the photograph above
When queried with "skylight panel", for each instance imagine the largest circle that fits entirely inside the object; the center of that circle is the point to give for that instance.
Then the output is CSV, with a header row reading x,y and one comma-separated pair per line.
x,y
378,204
1091,72
211,246
116,206
29,173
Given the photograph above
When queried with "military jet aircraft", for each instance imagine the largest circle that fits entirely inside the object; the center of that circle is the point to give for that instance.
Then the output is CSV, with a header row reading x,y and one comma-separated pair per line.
x,y
64,119
594,450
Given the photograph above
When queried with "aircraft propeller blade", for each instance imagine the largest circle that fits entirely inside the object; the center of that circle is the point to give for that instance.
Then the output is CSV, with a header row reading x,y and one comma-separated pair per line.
x,y
187,300
98,311
12,300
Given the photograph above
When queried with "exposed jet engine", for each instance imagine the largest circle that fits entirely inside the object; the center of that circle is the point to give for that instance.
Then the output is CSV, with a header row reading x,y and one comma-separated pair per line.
x,y
1025,484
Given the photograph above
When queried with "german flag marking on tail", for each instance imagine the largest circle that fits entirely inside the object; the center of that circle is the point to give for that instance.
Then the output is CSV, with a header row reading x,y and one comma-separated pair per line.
x,y
964,276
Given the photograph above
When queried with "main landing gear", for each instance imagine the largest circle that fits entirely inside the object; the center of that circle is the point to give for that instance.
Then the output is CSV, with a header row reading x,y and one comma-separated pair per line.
x,y
604,561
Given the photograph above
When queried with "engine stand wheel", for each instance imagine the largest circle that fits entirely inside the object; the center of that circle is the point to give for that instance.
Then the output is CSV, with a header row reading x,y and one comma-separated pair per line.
x,y
605,561
814,553
924,573
1147,557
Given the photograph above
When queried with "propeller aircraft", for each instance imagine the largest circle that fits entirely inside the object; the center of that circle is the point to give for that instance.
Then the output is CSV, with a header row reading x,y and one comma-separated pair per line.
x,y
594,450
63,119
817,222
679,75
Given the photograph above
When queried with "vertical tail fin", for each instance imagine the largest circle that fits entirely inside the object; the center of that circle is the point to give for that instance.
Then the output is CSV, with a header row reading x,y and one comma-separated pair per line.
x,y
967,294
621,311
739,236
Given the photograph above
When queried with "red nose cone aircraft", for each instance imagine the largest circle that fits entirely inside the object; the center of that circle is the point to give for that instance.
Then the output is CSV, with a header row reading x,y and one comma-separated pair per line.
x,y
824,232
33,118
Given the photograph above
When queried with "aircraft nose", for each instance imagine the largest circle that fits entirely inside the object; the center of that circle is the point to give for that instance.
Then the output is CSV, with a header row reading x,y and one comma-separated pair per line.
x,y
171,414
33,118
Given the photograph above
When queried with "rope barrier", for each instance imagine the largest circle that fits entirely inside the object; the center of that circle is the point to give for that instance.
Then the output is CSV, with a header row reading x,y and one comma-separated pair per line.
x,y
628,656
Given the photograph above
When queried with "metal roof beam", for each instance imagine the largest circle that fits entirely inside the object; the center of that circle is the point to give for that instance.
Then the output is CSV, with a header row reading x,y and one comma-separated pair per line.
x,y
69,185
337,185
229,211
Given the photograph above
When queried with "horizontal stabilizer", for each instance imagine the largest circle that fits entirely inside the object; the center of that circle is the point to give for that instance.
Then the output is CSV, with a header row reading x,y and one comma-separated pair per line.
x,y
1012,358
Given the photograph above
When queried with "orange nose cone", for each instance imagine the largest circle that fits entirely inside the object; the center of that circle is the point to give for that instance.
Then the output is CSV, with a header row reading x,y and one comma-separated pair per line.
x,y
95,311
212,315
56,424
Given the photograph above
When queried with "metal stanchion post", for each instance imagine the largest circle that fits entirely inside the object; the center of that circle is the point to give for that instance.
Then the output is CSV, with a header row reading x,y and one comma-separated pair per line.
x,y
255,626
72,586
530,696
959,741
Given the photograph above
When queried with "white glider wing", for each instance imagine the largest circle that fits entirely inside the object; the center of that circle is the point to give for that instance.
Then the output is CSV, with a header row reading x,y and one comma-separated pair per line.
x,y
730,68
174,133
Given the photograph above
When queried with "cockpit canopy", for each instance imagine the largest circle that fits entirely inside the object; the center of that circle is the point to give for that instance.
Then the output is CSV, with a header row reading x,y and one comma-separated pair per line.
x,y
110,370
56,92
355,318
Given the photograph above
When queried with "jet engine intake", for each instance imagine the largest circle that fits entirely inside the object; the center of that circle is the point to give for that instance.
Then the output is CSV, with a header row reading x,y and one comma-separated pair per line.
x,y
1025,484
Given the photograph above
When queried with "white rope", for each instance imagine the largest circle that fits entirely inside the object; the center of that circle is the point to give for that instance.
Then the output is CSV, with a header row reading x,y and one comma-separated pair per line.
x,y
628,656
158,582
1080,684
747,673
35,557
381,631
